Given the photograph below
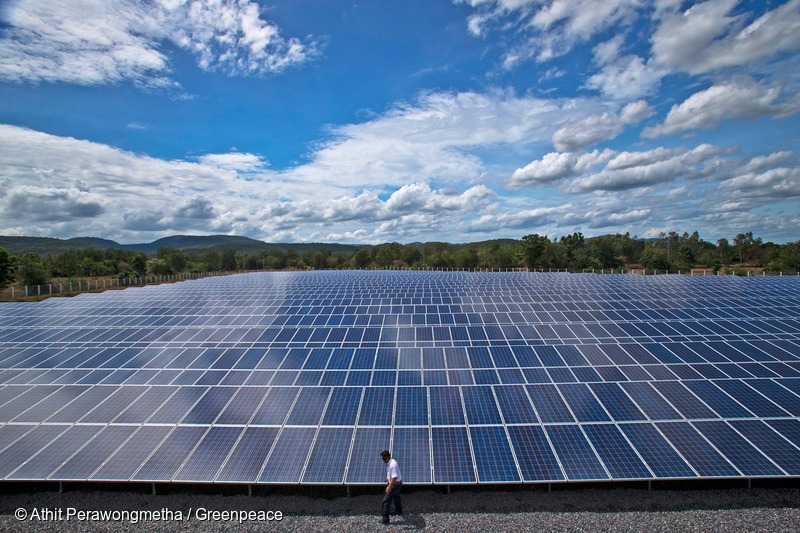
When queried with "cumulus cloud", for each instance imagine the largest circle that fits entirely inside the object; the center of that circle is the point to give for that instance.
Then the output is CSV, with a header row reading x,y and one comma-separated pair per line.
x,y
621,171
415,198
99,42
763,178
740,98
517,219
552,27
78,183
603,218
556,166
626,77
593,129
198,208
709,36
433,138
659,166
235,161
59,186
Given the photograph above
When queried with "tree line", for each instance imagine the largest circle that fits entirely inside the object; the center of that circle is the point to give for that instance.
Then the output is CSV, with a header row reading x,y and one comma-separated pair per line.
x,y
668,252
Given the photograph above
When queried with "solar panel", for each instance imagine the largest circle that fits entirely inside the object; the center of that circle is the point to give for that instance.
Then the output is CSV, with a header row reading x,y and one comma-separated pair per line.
x,y
304,377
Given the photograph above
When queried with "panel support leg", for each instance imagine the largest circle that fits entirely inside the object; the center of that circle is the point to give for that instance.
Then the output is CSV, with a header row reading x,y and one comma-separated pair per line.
x,y
154,489
649,484
249,490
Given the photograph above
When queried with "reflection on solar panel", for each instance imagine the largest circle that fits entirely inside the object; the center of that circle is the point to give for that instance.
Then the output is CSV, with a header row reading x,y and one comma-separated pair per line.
x,y
467,378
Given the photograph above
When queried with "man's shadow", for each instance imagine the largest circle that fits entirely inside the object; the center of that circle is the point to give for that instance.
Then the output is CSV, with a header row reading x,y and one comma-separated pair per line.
x,y
408,521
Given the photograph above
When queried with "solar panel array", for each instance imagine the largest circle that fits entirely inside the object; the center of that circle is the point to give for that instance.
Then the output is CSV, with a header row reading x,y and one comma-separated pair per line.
x,y
467,377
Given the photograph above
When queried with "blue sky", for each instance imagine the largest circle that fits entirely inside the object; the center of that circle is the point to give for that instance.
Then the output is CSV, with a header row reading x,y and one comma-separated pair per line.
x,y
379,121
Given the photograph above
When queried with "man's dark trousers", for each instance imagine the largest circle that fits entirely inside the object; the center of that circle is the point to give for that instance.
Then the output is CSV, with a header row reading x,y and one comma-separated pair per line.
x,y
393,494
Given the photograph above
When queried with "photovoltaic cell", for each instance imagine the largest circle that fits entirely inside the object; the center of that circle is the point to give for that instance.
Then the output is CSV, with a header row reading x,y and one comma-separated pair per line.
x,y
617,455
548,404
577,457
164,463
536,459
293,446
366,465
770,443
16,454
493,457
246,459
705,460
411,407
206,460
329,457
89,458
127,459
467,377
747,459
54,454
452,458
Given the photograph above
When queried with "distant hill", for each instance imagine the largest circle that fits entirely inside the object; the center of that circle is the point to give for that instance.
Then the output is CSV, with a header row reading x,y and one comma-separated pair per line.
x,y
185,243
47,245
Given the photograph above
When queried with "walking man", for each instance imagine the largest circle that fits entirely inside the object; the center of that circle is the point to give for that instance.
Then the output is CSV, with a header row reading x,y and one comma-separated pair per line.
x,y
394,480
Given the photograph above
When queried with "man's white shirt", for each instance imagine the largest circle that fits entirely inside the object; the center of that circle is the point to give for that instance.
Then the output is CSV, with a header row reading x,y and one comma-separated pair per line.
x,y
392,470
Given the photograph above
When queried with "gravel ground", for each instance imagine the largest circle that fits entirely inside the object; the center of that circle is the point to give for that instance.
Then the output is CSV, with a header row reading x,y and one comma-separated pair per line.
x,y
605,509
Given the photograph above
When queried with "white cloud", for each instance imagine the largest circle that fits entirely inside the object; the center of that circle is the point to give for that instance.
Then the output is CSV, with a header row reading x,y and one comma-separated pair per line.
x,y
411,199
626,77
590,130
95,42
709,36
198,208
59,186
552,27
777,183
659,166
518,219
557,166
762,178
244,162
603,218
433,138
741,98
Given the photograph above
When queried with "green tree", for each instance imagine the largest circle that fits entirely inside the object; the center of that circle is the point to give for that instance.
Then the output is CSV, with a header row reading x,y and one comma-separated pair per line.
x,y
68,265
604,249
385,254
213,260
654,258
32,270
228,260
7,268
573,252
411,255
467,258
360,258
158,267
744,243
686,259
174,259
789,258
139,264
533,247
